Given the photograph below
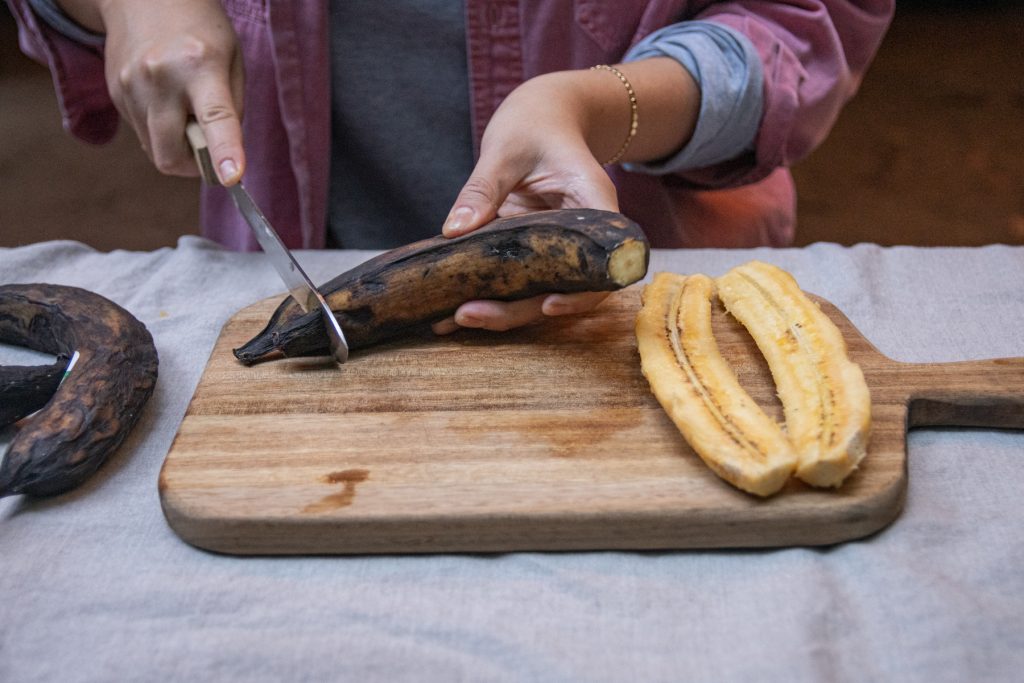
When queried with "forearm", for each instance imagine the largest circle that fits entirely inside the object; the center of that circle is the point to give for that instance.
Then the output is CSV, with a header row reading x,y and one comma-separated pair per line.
x,y
668,104
597,103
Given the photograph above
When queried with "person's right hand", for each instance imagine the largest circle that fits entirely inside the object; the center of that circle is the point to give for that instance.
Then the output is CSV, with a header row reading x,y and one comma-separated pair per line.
x,y
167,60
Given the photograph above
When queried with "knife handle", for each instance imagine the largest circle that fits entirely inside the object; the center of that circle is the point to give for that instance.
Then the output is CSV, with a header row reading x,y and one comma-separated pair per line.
x,y
197,141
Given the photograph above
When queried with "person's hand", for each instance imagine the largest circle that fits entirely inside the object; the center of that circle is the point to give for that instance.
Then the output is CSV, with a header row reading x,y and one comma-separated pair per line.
x,y
543,150
167,60
534,155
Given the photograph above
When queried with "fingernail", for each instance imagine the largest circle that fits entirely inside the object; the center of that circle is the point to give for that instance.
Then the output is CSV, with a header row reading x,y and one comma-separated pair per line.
x,y
458,219
554,309
553,306
228,170
469,321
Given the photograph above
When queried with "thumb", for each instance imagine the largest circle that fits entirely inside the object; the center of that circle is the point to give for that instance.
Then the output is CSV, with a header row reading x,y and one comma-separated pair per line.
x,y
477,203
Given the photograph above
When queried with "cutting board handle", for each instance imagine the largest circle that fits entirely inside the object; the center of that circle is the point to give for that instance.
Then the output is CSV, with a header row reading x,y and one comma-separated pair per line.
x,y
981,393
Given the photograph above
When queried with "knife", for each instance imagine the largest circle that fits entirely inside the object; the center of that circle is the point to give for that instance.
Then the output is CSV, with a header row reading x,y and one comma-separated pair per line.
x,y
295,279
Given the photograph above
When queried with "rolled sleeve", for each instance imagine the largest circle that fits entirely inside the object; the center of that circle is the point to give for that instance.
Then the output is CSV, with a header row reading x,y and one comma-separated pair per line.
x,y
814,54
728,71
54,16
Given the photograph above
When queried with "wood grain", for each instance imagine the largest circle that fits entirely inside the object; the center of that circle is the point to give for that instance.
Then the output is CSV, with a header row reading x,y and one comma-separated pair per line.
x,y
546,438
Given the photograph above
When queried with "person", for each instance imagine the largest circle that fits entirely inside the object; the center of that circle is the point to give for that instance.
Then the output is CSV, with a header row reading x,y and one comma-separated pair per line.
x,y
368,124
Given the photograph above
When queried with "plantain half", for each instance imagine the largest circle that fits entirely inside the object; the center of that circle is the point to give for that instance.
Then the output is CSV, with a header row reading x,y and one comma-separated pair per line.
x,y
824,396
699,390
100,399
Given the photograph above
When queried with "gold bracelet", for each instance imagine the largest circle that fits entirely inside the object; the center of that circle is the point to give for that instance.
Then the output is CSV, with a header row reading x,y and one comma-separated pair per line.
x,y
634,112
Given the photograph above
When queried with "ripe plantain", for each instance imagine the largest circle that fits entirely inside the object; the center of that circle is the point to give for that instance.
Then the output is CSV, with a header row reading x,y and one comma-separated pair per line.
x,y
412,286
824,396
98,403
699,391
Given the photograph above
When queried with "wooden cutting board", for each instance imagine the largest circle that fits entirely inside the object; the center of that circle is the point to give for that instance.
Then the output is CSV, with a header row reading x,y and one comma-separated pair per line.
x,y
545,438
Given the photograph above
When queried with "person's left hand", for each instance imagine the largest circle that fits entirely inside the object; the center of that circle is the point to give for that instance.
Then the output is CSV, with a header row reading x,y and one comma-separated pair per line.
x,y
534,155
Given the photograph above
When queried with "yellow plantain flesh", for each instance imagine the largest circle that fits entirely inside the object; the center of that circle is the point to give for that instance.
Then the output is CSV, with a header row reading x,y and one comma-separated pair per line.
x,y
825,399
700,392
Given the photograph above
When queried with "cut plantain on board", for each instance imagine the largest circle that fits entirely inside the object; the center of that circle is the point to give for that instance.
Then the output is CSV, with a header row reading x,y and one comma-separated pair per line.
x,y
824,396
700,392
564,250
100,398
825,399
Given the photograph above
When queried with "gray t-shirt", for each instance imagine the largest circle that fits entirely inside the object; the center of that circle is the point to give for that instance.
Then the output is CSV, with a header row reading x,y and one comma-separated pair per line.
x,y
401,145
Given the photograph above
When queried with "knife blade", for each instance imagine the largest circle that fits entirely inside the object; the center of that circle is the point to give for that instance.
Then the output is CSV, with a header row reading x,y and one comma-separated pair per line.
x,y
295,279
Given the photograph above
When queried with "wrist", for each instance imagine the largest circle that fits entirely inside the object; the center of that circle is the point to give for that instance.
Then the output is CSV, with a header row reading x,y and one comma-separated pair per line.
x,y
634,112
547,109
572,103
639,111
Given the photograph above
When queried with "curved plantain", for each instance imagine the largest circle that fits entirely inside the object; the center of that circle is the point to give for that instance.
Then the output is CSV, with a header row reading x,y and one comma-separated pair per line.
x,y
420,283
100,400
825,399
699,390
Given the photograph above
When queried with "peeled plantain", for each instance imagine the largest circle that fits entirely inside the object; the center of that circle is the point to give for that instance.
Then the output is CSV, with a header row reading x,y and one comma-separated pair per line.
x,y
824,396
92,411
415,285
699,390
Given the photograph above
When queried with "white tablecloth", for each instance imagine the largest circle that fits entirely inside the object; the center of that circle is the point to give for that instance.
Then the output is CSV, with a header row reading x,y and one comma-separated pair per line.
x,y
94,586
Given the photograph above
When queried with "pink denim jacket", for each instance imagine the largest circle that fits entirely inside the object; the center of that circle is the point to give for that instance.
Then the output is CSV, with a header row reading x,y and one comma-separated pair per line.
x,y
814,53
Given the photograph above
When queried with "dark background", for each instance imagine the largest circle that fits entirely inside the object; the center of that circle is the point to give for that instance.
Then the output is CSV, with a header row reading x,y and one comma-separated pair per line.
x,y
930,152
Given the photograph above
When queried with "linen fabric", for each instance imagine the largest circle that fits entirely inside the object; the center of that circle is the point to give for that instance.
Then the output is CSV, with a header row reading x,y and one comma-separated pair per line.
x,y
94,585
